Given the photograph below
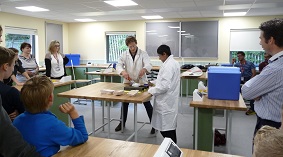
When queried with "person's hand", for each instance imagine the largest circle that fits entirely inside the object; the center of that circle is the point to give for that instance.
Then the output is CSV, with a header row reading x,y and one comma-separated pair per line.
x,y
13,115
30,73
150,84
20,84
142,72
126,75
233,60
258,98
69,108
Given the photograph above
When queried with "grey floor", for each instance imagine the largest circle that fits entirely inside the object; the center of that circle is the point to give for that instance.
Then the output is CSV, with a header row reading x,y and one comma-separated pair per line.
x,y
242,126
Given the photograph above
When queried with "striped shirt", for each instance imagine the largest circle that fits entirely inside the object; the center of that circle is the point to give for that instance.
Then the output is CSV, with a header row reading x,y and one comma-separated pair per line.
x,y
269,86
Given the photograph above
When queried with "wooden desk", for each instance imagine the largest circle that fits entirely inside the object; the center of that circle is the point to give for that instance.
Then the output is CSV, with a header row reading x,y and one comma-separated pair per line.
x,y
203,121
202,77
58,88
92,92
101,147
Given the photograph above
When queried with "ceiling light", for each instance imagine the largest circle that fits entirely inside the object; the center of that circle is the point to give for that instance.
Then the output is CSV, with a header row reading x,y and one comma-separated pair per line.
x,y
151,31
152,17
121,3
32,8
162,36
85,20
181,31
173,26
235,14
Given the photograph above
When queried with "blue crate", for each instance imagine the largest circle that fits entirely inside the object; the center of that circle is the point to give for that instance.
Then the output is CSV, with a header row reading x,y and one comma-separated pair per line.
x,y
223,83
74,57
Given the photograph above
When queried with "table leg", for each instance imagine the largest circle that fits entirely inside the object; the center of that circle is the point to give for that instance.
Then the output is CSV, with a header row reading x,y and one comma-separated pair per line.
x,y
93,117
103,104
69,118
203,131
135,122
108,115
122,120
181,96
228,130
111,77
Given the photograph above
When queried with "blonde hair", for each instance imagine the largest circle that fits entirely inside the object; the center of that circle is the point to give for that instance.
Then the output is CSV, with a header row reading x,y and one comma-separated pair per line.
x,y
268,142
35,94
6,56
52,46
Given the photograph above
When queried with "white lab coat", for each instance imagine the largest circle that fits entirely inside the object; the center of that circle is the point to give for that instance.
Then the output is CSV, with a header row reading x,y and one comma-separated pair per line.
x,y
133,68
166,96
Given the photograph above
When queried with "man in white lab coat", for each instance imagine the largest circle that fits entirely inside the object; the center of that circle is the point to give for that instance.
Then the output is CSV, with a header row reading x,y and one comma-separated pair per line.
x,y
166,94
133,65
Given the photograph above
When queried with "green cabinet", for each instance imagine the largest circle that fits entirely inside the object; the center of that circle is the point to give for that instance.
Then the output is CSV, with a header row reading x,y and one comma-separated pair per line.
x,y
58,101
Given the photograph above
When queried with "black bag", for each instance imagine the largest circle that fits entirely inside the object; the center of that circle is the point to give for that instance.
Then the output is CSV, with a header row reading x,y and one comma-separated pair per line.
x,y
219,139
187,66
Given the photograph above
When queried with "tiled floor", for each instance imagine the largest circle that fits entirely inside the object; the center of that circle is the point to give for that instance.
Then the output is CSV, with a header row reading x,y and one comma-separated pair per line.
x,y
242,126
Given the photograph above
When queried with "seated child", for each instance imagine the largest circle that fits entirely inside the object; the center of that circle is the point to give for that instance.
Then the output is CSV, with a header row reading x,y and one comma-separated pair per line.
x,y
268,141
39,126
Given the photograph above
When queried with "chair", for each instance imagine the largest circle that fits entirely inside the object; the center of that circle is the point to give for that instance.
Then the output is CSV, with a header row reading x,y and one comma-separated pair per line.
x,y
79,81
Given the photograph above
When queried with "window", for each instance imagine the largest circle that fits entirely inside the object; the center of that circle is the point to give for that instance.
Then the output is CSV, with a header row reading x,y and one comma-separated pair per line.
x,y
115,45
246,40
15,36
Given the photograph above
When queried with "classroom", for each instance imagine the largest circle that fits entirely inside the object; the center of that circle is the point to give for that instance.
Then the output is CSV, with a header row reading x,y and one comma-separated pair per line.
x,y
91,49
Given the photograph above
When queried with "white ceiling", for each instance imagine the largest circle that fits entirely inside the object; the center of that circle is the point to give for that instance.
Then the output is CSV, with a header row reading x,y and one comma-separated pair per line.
x,y
68,10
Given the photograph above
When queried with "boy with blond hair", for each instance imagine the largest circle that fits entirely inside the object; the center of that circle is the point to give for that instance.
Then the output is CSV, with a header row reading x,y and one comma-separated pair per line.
x,y
39,126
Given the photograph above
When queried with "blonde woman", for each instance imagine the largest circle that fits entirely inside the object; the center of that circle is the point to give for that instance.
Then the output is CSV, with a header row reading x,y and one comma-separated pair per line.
x,y
55,61
28,62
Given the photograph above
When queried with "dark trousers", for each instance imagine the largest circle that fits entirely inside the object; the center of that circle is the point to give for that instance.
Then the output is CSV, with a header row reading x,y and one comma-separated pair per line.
x,y
170,134
147,106
252,105
261,122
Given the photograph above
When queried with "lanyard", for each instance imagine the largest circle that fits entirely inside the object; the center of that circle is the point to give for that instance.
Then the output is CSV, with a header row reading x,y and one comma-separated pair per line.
x,y
57,59
242,67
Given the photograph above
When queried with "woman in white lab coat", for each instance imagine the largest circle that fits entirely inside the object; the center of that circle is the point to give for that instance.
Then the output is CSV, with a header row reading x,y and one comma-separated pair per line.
x,y
133,66
166,94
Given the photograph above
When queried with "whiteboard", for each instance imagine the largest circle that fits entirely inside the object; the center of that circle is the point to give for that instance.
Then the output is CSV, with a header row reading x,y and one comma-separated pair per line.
x,y
245,40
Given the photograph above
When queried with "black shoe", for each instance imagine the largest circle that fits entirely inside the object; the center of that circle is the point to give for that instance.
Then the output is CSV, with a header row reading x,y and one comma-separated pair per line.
x,y
152,131
119,127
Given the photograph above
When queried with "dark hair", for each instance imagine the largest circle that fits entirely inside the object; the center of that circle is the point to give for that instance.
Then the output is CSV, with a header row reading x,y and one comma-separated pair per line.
x,y
164,48
273,28
1,29
130,39
6,56
241,53
23,45
14,49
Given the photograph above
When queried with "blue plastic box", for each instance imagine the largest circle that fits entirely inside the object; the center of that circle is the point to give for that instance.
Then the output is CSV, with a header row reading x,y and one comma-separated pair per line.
x,y
74,57
223,83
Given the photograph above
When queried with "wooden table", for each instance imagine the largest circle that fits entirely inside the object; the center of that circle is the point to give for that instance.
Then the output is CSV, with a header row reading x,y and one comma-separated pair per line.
x,y
101,147
58,88
92,92
203,121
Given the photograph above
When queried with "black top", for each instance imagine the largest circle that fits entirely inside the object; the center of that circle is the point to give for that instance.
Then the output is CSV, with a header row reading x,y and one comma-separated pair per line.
x,y
12,142
17,68
133,56
48,65
11,99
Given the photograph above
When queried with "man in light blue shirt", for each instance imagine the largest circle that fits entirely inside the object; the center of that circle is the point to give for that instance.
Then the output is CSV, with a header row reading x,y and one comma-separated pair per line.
x,y
267,87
